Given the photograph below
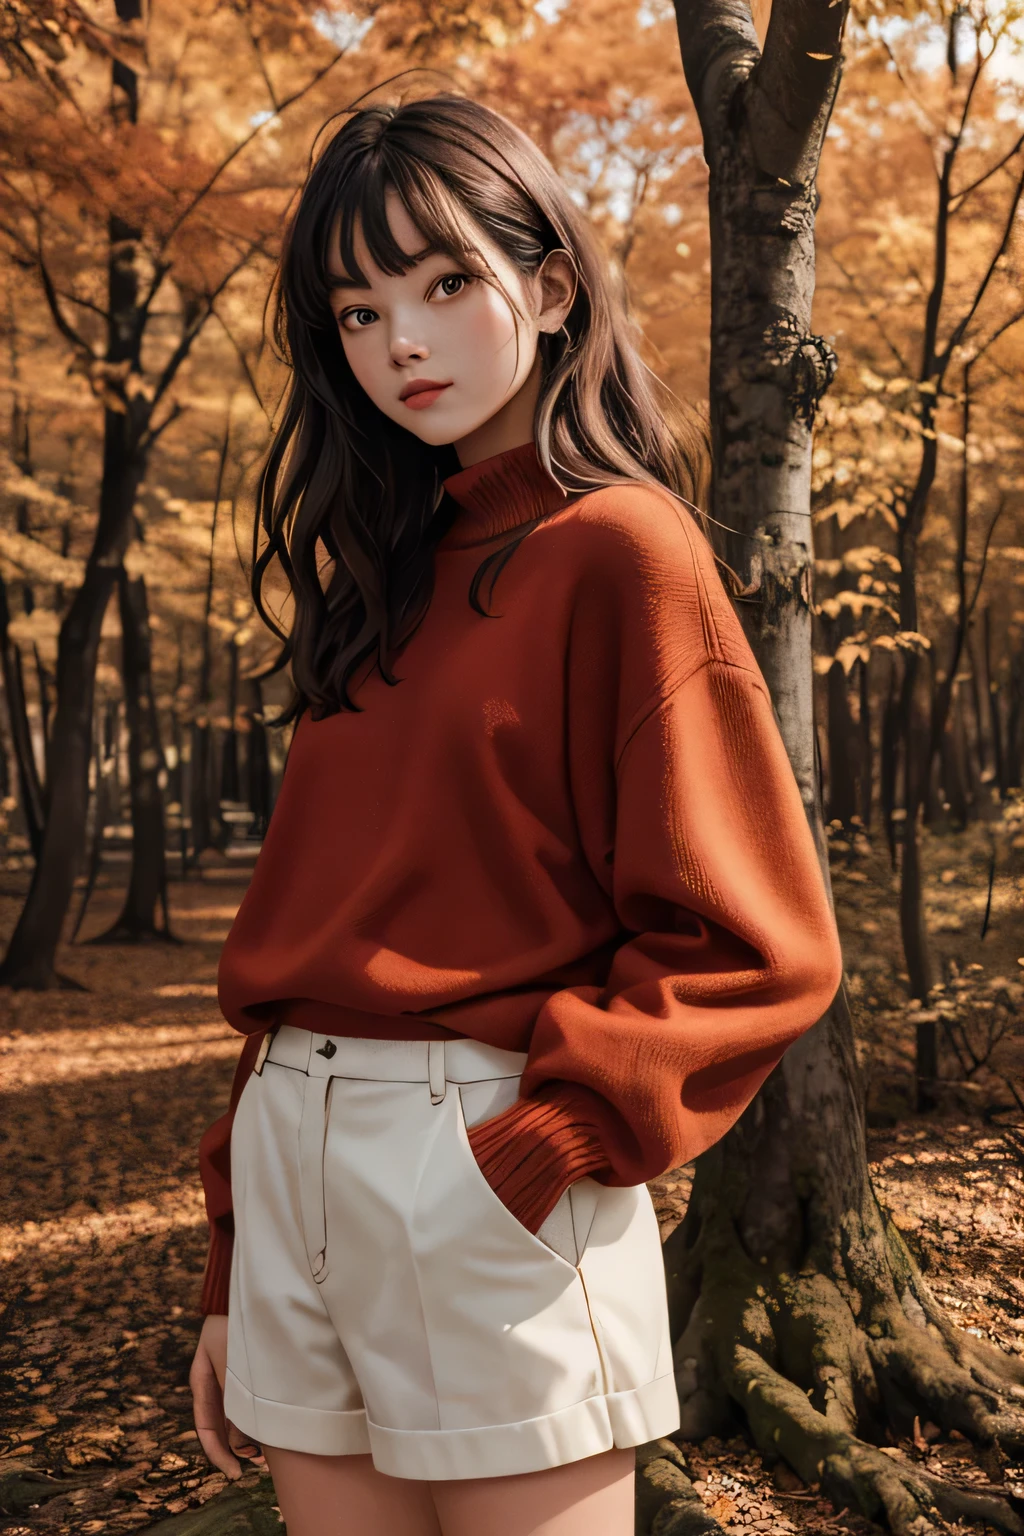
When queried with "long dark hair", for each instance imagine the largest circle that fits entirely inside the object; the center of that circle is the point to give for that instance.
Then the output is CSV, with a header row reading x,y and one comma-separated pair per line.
x,y
342,482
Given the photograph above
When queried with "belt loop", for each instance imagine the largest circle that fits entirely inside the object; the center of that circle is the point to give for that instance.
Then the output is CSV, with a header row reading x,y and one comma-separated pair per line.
x,y
435,1070
264,1050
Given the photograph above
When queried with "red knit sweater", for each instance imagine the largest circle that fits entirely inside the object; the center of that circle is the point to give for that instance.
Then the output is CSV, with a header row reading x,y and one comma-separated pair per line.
x,y
571,830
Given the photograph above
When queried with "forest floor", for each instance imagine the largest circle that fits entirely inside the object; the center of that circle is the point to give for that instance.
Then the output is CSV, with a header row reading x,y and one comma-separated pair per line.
x,y
106,1092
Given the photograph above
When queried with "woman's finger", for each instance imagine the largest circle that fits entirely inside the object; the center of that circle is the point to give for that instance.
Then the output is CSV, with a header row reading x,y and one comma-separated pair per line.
x,y
218,1452
243,1445
208,1413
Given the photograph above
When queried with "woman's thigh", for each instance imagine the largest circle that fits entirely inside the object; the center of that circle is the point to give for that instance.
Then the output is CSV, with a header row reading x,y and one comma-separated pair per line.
x,y
592,1497
347,1496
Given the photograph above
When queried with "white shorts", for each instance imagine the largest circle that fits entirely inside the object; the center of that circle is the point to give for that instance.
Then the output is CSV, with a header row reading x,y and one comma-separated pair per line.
x,y
384,1300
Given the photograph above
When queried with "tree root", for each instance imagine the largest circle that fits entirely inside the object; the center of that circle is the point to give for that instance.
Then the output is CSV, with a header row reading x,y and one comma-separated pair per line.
x,y
125,933
666,1504
825,1361
851,1472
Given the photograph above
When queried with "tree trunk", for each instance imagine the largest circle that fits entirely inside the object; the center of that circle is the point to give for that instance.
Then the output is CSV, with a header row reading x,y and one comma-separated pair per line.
x,y
105,800
32,951
995,705
842,784
259,778
867,777
147,885
916,951
31,955
795,1304
205,821
29,787
1015,724
43,685
889,764
982,765
230,783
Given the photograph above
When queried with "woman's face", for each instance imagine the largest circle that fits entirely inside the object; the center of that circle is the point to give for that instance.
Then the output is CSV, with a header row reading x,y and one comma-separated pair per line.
x,y
439,322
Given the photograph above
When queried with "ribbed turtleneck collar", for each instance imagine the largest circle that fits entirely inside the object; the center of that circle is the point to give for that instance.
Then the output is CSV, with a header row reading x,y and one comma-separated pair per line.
x,y
497,494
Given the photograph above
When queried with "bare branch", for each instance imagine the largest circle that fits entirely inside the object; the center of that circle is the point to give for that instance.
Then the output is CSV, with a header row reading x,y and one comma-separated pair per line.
x,y
243,361
233,154
901,77
932,361
960,329
873,314
190,333
153,434
983,59
961,197
160,271
63,325
261,66
983,560
73,298
1007,325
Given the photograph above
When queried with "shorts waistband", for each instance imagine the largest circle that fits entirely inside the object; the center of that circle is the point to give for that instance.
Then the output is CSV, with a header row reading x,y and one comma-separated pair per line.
x,y
392,1061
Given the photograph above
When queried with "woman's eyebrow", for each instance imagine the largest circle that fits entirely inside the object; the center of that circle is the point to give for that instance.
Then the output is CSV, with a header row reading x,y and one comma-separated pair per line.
x,y
337,281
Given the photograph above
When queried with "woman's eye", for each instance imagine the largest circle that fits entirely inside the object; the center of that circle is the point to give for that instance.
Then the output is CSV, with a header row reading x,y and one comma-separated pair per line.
x,y
361,324
351,315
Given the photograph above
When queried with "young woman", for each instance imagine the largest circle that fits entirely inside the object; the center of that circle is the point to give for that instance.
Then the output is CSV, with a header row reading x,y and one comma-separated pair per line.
x,y
534,917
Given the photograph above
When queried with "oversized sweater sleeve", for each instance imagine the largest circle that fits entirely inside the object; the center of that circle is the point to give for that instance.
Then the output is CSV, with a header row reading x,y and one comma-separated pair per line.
x,y
735,953
215,1172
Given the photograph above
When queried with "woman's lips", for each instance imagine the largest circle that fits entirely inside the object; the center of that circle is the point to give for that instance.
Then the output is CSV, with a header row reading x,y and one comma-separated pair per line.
x,y
424,397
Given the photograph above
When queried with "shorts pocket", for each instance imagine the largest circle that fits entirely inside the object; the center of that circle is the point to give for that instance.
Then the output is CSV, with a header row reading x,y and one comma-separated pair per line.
x,y
560,1232
313,1126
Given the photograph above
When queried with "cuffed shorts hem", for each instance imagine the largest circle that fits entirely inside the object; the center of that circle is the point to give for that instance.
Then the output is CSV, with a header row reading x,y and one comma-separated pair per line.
x,y
319,1430
506,1450
597,1424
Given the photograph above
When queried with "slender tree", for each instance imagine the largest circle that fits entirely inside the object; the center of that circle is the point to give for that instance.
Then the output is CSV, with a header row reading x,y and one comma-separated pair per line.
x,y
941,340
137,410
147,882
796,1305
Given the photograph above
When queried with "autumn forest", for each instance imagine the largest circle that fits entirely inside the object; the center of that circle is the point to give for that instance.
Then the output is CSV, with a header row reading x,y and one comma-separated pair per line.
x,y
864,1371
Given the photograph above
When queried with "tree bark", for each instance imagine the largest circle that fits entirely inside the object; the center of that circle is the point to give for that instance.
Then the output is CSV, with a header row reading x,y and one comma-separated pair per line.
x,y
230,782
1015,724
147,884
795,1304
866,766
889,764
32,951
259,780
29,787
105,801
842,753
31,955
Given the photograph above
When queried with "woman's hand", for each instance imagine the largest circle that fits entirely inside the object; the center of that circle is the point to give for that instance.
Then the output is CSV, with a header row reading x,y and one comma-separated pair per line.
x,y
222,1441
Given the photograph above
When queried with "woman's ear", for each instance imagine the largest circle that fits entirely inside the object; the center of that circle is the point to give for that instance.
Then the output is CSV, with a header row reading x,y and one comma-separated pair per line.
x,y
557,277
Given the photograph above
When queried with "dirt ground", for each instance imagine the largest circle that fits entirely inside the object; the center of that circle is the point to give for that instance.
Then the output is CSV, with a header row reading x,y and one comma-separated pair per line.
x,y
106,1092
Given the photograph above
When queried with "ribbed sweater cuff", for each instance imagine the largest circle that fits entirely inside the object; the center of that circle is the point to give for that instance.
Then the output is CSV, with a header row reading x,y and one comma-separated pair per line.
x,y
533,1151
216,1280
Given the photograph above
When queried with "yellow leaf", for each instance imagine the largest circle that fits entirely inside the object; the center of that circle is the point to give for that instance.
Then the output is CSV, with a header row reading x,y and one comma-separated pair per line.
x,y
871,379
